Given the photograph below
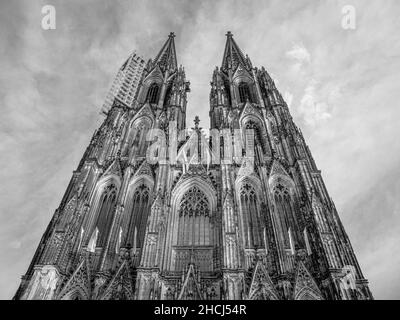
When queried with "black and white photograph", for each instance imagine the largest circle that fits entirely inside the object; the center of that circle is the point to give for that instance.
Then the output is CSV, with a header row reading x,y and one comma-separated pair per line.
x,y
200,150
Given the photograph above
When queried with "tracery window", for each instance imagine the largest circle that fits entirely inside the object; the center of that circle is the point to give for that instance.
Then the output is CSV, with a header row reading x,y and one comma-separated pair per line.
x,y
244,92
249,211
194,236
152,94
139,142
138,216
283,202
259,147
194,202
105,213
194,219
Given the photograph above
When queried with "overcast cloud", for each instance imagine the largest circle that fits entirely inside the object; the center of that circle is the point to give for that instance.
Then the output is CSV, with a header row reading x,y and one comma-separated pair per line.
x,y
342,86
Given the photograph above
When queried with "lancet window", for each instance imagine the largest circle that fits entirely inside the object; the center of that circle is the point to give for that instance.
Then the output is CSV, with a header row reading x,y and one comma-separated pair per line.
x,y
105,213
244,92
284,209
138,216
152,94
250,215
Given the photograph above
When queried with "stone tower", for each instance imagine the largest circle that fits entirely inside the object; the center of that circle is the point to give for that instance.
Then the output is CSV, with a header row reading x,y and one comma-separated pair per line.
x,y
157,211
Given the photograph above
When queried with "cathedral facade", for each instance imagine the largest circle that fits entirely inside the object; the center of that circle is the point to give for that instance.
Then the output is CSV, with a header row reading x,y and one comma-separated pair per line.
x,y
156,211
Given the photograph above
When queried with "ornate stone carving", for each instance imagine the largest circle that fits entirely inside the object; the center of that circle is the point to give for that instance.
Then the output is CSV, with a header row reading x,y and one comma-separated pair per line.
x,y
193,230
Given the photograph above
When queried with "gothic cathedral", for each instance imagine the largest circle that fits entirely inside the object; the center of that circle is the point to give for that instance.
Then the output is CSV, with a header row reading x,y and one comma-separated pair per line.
x,y
260,227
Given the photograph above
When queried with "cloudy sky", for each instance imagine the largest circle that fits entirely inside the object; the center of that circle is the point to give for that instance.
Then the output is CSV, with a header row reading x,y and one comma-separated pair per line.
x,y
343,88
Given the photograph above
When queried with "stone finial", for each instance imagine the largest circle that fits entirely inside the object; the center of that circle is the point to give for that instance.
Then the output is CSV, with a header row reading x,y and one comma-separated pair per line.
x,y
196,121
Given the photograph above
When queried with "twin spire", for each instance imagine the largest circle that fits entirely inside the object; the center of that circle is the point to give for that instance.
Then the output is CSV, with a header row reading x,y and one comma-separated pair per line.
x,y
233,56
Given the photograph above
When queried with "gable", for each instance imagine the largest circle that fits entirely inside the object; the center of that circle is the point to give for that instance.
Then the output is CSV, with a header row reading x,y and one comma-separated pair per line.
x,y
305,285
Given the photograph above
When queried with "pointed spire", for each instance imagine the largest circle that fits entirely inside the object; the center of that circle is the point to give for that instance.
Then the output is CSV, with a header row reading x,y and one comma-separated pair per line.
x,y
166,58
233,56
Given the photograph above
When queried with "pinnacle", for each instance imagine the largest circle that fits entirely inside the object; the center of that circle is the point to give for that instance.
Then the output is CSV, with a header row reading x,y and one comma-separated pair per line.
x,y
196,121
